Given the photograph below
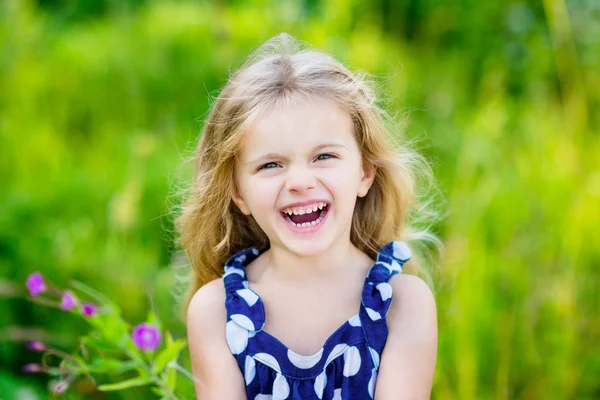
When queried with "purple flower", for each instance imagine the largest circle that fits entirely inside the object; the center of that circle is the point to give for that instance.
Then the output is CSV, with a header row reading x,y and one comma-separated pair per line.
x,y
59,386
89,309
35,284
68,301
36,345
28,368
146,336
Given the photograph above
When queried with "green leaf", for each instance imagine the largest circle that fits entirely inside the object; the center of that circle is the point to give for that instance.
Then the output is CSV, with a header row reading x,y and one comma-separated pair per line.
x,y
139,381
158,391
169,338
171,377
143,372
111,365
114,328
135,354
170,353
153,319
100,344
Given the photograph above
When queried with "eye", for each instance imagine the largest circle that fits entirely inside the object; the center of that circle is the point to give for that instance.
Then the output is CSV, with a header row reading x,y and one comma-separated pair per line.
x,y
264,166
326,154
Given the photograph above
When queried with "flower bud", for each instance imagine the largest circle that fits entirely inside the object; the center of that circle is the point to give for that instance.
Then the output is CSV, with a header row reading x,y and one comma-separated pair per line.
x,y
36,345
59,386
28,368
89,309
68,301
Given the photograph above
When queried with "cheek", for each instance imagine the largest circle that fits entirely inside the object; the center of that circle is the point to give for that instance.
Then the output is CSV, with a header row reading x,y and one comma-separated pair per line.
x,y
340,181
261,193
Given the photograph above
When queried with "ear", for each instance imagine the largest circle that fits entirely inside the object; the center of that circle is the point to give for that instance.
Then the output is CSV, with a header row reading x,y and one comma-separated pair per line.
x,y
238,200
366,180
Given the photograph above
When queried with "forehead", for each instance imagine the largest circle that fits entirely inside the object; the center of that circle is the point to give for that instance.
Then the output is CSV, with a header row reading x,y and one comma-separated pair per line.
x,y
297,126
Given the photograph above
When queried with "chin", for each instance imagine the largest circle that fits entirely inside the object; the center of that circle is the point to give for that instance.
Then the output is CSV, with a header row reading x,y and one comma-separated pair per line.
x,y
308,247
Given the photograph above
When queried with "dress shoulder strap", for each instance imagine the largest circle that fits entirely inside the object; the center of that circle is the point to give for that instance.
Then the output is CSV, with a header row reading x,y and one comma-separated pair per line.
x,y
377,292
245,308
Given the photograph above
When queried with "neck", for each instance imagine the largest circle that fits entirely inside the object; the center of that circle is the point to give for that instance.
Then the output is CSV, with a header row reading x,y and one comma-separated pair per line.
x,y
289,267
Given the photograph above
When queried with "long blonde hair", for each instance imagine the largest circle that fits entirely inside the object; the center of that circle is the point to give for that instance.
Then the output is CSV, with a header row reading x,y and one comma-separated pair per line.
x,y
210,225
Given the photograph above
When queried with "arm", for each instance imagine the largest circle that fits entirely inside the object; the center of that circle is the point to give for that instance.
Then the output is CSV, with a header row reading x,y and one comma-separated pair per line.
x,y
216,372
408,360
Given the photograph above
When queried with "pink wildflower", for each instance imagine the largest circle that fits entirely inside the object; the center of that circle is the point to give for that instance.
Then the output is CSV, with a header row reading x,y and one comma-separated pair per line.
x,y
89,309
146,337
68,301
35,284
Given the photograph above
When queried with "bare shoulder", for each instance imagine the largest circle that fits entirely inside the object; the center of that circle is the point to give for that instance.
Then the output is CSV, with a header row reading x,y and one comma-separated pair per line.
x,y
208,302
215,369
409,358
413,301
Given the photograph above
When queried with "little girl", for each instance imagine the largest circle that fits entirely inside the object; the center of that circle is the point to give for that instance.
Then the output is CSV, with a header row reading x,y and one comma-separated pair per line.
x,y
296,232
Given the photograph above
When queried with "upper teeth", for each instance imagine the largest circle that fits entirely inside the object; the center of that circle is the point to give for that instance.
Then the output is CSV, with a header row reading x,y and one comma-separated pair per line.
x,y
305,209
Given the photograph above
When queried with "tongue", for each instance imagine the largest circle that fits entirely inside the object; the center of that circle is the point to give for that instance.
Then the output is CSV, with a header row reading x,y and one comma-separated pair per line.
x,y
299,219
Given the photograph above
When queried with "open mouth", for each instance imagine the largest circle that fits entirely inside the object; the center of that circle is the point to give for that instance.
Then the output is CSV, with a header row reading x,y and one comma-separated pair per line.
x,y
306,220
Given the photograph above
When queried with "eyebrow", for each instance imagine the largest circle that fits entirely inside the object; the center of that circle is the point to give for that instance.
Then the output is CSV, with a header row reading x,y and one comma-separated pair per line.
x,y
275,155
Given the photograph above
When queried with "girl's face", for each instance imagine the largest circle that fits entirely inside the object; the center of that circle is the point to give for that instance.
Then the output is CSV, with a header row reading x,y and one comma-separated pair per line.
x,y
304,153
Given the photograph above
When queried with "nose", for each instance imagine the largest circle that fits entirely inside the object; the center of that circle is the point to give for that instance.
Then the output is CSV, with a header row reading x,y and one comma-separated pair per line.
x,y
300,179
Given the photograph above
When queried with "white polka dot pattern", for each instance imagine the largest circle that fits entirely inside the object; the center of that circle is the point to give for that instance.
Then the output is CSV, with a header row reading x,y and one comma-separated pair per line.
x,y
374,356
249,370
320,383
269,360
352,361
337,351
385,290
372,382
233,270
237,337
248,295
281,388
401,251
243,321
374,315
304,362
355,320
337,394
395,267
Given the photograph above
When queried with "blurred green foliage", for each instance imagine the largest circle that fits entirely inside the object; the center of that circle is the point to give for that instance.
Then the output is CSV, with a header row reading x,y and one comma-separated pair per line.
x,y
100,100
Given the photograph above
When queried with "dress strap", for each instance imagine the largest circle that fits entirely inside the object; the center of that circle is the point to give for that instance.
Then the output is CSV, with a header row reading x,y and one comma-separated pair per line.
x,y
377,292
244,307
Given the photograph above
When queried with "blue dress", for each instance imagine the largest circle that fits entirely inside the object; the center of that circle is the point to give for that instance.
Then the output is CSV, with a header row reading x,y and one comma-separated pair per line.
x,y
347,365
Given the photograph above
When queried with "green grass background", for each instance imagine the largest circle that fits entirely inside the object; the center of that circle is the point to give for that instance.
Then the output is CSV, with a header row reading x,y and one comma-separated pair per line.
x,y
100,100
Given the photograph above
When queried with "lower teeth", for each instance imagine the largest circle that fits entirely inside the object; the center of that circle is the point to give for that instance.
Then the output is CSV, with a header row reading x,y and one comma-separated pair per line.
x,y
306,224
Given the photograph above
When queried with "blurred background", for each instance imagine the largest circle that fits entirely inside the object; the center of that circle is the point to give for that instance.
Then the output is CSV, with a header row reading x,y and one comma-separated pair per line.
x,y
101,100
